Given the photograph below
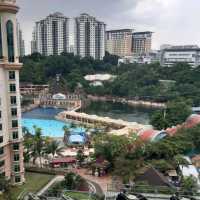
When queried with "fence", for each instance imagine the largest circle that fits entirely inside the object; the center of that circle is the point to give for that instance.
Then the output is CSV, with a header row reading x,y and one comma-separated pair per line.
x,y
153,192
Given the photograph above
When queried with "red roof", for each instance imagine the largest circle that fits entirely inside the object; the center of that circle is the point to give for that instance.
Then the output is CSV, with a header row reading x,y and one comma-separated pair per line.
x,y
147,135
171,131
192,121
63,160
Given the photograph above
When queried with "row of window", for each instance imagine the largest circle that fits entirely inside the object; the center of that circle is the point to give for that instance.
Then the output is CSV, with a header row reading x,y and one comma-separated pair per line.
x,y
15,136
13,113
17,178
14,124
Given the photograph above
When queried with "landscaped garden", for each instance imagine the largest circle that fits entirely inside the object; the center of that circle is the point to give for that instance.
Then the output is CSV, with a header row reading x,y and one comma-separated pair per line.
x,y
34,182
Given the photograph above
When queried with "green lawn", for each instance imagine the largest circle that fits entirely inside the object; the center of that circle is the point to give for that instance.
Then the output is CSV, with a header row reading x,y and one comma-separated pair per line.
x,y
78,195
34,182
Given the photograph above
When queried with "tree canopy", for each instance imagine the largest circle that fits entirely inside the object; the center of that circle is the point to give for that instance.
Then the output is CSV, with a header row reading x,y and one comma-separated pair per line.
x,y
147,82
176,112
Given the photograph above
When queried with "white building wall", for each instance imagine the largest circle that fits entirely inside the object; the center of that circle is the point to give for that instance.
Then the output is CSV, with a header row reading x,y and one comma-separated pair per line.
x,y
87,35
191,57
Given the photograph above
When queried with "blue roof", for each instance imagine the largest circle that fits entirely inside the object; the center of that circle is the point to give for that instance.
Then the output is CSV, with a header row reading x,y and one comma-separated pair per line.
x,y
76,139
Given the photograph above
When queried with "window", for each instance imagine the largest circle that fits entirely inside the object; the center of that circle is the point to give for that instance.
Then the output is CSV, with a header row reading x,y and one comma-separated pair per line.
x,y
17,179
10,41
1,151
0,114
14,112
1,139
12,75
2,162
16,146
16,168
14,123
15,135
13,100
2,174
1,127
12,88
16,157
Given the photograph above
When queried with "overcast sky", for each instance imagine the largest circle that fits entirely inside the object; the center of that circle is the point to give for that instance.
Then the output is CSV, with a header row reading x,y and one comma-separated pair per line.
x,y
172,21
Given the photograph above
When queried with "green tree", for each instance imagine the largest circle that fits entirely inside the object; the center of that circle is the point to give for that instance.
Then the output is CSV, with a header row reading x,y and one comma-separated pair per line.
x,y
176,113
52,147
128,169
110,146
38,143
66,133
80,156
189,186
73,181
180,160
5,187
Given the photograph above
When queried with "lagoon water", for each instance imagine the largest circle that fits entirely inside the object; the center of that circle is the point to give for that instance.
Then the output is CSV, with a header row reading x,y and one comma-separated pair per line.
x,y
120,111
44,118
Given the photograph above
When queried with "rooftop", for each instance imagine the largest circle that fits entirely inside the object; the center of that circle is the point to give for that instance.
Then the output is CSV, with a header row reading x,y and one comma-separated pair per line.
x,y
182,48
120,30
99,77
140,33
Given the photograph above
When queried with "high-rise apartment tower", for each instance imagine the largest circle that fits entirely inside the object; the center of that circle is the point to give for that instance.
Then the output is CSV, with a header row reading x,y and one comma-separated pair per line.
x,y
51,35
89,37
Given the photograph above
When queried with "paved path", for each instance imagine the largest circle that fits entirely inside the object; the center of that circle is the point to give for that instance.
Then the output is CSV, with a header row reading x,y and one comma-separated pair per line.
x,y
54,180
99,182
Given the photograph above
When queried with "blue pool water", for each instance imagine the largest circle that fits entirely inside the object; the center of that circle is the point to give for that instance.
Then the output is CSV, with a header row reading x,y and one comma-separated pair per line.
x,y
44,118
51,128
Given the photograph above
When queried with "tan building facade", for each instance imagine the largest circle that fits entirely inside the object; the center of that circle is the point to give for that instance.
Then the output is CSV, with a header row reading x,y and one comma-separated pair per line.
x,y
11,139
142,42
119,42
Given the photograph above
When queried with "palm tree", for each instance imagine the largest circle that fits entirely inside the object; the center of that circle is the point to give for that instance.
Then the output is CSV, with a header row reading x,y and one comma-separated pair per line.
x,y
66,133
73,125
38,143
53,147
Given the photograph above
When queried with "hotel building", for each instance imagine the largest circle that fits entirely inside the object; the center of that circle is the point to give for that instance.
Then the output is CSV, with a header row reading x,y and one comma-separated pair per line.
x,y
51,35
119,42
89,37
141,43
11,139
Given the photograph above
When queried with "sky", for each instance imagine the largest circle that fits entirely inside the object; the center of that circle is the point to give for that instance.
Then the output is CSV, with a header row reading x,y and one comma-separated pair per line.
x,y
173,22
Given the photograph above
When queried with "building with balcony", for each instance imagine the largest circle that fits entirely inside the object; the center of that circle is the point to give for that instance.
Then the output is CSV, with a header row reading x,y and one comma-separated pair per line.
x,y
141,43
89,37
51,35
11,139
119,42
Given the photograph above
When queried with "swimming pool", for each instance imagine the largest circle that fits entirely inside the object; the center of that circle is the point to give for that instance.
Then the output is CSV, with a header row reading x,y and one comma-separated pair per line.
x,y
44,118
51,128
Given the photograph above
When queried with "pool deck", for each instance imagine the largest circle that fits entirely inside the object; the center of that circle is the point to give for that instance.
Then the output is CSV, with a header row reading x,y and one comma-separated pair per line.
x,y
120,127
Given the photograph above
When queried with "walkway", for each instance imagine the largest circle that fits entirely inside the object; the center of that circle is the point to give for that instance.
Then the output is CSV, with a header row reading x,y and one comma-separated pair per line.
x,y
100,183
54,180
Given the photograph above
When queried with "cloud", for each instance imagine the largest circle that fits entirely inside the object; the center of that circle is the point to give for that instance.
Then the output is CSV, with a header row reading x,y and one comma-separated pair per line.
x,y
173,21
